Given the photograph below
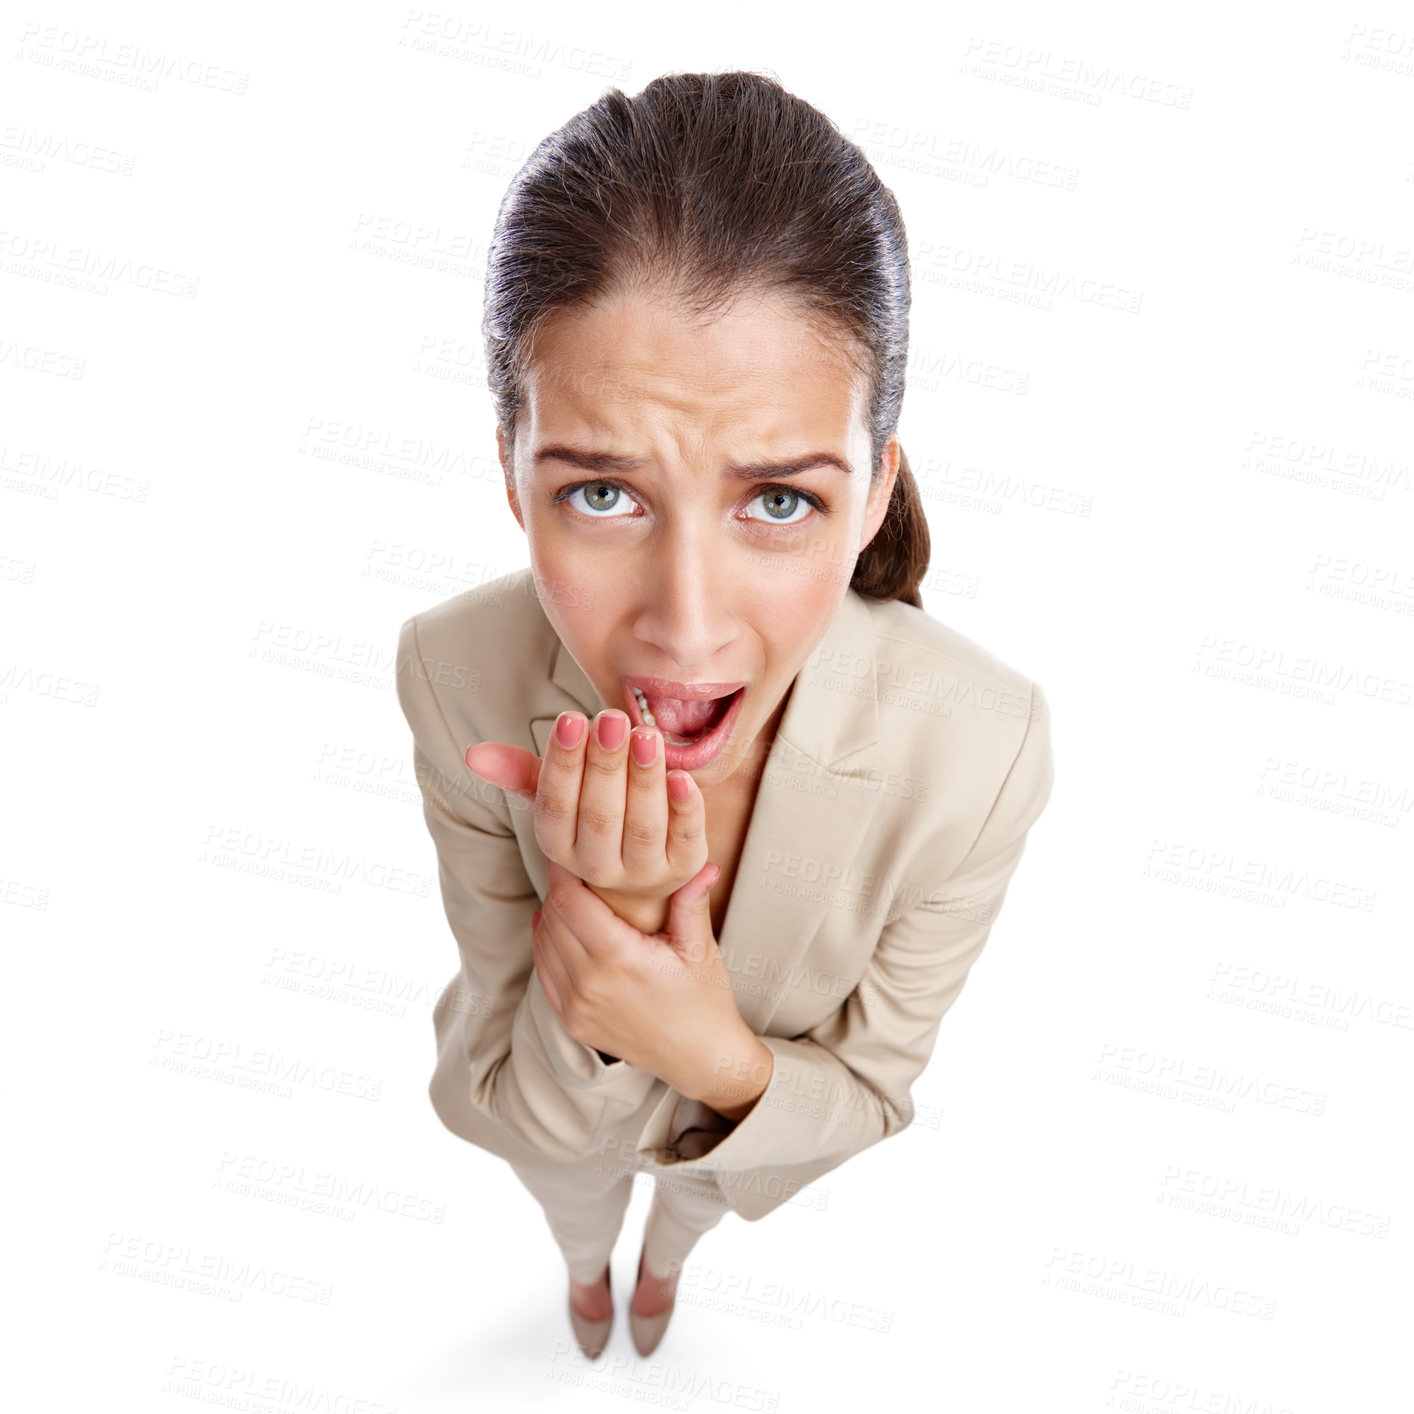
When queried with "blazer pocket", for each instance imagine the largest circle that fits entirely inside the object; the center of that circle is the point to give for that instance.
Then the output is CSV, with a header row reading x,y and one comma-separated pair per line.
x,y
567,1081
530,1096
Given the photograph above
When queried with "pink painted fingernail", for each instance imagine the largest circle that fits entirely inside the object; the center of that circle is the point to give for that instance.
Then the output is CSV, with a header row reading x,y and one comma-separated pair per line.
x,y
611,730
569,728
644,744
678,787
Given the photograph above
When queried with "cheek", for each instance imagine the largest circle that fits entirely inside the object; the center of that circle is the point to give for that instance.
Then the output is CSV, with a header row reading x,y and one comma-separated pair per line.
x,y
809,578
570,591
796,607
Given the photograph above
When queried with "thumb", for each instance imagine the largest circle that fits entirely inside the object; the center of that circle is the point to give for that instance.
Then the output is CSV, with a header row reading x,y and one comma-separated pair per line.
x,y
689,911
513,768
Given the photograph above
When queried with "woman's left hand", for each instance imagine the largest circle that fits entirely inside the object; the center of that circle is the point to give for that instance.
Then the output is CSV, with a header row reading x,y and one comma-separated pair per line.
x,y
661,1001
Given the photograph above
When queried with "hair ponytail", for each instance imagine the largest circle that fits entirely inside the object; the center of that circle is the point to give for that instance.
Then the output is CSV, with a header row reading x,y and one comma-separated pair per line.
x,y
893,563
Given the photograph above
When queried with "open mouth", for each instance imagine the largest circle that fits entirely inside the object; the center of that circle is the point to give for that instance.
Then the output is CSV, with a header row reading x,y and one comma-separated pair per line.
x,y
682,723
693,732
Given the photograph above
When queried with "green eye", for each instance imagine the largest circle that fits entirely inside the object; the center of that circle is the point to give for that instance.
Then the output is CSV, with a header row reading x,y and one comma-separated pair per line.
x,y
599,497
601,501
772,499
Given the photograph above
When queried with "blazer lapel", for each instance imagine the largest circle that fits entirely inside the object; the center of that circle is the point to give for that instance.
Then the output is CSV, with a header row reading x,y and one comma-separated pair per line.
x,y
814,806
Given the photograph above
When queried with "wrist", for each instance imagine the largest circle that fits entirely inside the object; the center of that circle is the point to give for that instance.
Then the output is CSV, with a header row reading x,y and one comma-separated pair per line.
x,y
644,912
736,1077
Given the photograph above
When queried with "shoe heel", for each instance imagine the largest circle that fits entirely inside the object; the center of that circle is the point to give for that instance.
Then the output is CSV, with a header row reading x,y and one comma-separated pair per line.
x,y
593,1336
647,1331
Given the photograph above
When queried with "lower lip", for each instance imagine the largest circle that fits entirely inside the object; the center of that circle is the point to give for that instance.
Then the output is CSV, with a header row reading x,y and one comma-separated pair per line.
x,y
702,751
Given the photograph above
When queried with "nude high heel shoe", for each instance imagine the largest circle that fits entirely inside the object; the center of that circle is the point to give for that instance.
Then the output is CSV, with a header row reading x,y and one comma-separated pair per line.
x,y
593,1336
647,1331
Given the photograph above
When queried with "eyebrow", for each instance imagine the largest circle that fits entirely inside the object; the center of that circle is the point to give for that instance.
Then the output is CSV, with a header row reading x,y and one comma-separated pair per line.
x,y
753,471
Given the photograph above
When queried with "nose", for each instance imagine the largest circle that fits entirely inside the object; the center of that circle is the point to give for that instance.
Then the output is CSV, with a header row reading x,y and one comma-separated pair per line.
x,y
686,603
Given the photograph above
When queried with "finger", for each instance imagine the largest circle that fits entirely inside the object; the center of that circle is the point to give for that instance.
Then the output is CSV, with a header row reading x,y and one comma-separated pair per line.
x,y
689,914
693,900
513,768
598,844
645,832
548,969
588,926
565,895
557,799
687,824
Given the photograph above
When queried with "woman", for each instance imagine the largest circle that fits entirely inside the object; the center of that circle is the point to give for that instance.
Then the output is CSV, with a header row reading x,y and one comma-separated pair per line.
x,y
709,926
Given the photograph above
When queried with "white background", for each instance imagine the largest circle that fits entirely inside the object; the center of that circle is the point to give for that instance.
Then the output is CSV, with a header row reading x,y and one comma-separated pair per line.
x,y
1160,405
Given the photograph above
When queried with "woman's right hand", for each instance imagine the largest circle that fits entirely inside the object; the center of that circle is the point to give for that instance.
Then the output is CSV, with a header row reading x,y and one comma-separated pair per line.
x,y
604,816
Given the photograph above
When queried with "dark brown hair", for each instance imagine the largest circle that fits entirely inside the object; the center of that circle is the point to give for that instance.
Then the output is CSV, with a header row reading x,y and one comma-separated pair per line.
x,y
708,185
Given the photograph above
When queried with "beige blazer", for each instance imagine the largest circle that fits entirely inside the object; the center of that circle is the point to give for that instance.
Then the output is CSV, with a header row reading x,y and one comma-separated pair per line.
x,y
907,769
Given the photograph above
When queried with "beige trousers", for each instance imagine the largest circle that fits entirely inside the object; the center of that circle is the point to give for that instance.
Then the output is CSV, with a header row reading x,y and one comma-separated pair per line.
x,y
585,1202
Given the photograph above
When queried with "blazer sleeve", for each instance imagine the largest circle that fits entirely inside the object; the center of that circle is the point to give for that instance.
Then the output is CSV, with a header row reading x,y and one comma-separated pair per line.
x,y
526,1072
846,1083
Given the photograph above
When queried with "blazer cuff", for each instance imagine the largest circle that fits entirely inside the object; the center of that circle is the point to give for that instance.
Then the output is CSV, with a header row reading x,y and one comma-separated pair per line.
x,y
795,1120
